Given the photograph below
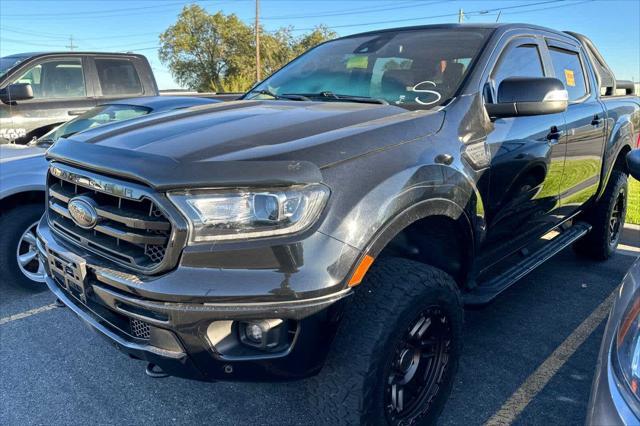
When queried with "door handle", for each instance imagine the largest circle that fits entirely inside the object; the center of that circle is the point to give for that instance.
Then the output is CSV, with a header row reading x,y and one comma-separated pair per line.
x,y
77,111
553,137
597,121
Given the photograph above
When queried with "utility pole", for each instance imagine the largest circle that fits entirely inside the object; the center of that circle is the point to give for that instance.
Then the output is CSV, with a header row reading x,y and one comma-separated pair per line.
x,y
71,46
460,16
258,76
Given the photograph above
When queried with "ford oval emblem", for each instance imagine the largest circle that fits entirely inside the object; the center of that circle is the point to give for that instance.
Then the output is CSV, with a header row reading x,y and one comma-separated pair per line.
x,y
83,212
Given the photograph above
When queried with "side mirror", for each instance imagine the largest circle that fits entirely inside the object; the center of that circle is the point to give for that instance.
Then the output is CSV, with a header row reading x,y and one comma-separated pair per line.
x,y
521,96
16,92
633,163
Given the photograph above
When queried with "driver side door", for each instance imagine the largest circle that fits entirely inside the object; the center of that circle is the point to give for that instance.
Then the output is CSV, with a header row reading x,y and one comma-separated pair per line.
x,y
528,154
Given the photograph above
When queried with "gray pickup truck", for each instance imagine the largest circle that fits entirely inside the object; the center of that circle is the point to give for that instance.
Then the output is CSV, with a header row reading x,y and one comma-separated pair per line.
x,y
39,91
335,221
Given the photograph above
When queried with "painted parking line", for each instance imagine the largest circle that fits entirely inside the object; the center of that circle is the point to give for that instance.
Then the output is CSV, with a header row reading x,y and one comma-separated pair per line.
x,y
519,400
27,314
628,250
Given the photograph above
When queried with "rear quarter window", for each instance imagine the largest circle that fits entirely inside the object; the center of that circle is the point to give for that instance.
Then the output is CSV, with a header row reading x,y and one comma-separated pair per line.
x,y
118,77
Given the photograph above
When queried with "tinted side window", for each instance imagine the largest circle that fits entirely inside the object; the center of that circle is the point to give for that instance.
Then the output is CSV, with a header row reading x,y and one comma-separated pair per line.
x,y
57,79
568,69
522,61
118,77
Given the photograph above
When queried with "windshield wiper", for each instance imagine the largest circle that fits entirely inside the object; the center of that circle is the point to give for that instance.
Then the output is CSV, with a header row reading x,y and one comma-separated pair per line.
x,y
339,97
287,96
66,135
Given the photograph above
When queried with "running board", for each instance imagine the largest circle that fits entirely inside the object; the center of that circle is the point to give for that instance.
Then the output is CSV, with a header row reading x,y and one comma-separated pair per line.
x,y
486,291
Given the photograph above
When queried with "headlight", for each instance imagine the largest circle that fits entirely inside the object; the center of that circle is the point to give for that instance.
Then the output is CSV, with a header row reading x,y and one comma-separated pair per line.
x,y
216,215
626,349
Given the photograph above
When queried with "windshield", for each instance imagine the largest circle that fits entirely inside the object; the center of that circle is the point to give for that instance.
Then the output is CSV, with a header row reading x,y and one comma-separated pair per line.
x,y
96,117
9,62
415,69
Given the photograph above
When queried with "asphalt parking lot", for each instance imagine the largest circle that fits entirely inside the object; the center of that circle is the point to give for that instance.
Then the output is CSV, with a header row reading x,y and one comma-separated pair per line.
x,y
56,371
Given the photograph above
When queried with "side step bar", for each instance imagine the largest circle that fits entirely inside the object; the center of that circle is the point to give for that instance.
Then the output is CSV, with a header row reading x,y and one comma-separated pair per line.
x,y
486,291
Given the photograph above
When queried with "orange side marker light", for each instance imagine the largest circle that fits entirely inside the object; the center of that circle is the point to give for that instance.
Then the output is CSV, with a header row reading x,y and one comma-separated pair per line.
x,y
361,270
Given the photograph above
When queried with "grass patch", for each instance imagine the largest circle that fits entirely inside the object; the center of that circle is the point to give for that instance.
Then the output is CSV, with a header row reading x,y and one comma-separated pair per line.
x,y
633,206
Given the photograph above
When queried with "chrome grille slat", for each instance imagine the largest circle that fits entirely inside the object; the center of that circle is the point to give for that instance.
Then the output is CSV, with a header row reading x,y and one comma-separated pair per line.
x,y
133,220
131,227
112,231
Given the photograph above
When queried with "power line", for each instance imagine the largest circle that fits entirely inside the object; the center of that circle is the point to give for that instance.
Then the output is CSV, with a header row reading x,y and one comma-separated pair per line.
x,y
90,13
446,15
71,46
10,40
396,6
547,8
113,13
464,15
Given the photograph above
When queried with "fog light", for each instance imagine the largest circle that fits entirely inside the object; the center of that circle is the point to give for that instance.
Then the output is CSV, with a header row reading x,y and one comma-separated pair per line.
x,y
263,334
253,332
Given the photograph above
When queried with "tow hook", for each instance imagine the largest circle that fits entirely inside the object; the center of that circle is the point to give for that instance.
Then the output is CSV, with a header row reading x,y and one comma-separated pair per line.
x,y
154,371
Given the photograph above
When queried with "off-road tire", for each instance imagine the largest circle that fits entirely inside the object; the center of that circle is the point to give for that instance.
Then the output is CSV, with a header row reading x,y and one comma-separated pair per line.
x,y
13,223
350,389
598,243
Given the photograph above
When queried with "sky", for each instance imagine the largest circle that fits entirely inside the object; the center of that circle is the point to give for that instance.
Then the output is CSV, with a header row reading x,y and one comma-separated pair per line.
x,y
134,25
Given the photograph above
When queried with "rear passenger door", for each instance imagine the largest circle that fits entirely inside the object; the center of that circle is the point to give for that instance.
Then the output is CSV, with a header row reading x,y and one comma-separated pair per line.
x,y
585,118
117,78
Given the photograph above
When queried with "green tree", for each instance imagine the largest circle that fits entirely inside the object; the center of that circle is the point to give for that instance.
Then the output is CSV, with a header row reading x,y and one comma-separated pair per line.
x,y
320,34
202,49
217,52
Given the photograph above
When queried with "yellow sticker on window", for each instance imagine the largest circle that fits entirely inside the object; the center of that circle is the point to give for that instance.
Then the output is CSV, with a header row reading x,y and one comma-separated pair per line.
x,y
357,62
569,78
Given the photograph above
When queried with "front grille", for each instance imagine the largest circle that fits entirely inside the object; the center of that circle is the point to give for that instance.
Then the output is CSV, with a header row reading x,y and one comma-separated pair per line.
x,y
131,229
140,329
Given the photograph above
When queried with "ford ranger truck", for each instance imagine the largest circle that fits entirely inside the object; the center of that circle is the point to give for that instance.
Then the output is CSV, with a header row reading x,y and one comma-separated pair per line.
x,y
333,223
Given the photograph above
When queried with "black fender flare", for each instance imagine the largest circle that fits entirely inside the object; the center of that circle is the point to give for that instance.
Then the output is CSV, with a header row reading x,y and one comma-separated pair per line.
x,y
612,151
428,208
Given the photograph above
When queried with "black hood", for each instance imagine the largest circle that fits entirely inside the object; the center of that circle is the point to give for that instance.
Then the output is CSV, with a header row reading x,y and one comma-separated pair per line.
x,y
243,142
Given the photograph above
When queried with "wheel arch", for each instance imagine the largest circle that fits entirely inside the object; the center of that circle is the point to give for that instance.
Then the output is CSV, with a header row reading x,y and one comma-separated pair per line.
x,y
29,196
442,225
619,143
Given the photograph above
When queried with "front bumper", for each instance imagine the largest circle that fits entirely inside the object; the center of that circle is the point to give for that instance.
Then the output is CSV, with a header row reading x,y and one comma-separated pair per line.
x,y
196,340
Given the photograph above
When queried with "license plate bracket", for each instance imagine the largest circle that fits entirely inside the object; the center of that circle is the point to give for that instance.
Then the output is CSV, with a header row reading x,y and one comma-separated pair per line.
x,y
71,270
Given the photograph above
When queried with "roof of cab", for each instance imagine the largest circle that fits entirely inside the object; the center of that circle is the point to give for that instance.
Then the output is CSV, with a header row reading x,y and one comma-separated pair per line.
x,y
491,26
68,53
